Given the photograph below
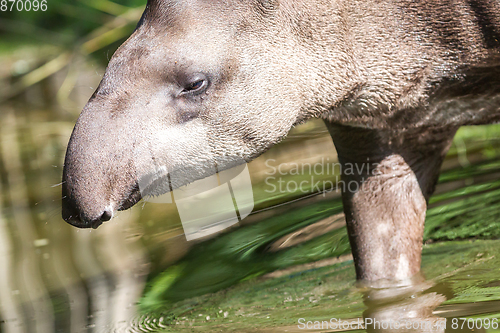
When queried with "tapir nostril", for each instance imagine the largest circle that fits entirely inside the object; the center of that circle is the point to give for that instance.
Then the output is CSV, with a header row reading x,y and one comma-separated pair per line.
x,y
107,215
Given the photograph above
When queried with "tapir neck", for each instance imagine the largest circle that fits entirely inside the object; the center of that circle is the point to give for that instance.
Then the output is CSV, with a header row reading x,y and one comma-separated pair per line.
x,y
405,55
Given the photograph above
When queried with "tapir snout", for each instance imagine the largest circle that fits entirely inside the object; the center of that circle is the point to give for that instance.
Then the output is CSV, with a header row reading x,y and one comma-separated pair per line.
x,y
90,195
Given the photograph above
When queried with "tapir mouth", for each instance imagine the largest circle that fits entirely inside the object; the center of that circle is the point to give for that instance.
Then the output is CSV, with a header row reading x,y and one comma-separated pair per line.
x,y
73,216
80,222
133,198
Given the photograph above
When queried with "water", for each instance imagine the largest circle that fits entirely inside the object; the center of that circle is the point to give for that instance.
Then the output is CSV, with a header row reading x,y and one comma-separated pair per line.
x,y
289,260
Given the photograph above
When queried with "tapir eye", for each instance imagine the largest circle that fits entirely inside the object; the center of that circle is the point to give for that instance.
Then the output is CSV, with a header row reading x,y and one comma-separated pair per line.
x,y
195,85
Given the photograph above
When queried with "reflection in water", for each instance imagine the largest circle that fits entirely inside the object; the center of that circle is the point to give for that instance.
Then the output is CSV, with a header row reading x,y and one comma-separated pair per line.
x,y
404,308
10,313
29,285
54,278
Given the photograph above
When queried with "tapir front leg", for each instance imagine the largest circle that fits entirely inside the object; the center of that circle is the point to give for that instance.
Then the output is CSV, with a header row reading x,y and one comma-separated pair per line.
x,y
387,179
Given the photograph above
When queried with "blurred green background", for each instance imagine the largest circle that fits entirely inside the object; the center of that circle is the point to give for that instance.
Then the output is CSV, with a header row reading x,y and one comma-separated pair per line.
x,y
34,45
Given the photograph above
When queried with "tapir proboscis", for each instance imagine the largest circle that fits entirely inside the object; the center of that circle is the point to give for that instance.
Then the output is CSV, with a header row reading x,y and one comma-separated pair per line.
x,y
204,82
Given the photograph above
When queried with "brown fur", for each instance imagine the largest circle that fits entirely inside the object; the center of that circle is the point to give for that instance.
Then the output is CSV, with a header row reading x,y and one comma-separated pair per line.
x,y
393,80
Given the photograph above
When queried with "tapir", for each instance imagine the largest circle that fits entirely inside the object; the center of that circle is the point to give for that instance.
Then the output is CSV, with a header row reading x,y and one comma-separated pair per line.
x,y
203,83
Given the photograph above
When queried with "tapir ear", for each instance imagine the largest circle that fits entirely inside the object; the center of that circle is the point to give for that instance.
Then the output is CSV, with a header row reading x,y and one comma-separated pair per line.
x,y
268,6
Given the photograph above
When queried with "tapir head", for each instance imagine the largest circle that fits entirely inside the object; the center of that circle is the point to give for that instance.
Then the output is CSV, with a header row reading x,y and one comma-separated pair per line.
x,y
199,86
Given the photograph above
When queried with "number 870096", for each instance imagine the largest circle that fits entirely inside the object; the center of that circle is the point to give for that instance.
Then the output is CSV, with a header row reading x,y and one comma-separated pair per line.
x,y
471,323
23,5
